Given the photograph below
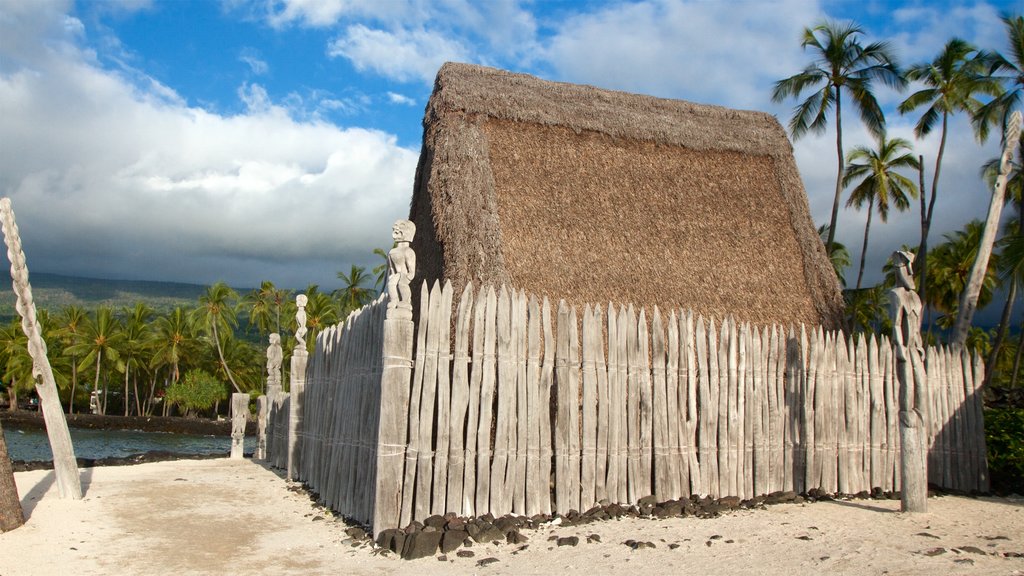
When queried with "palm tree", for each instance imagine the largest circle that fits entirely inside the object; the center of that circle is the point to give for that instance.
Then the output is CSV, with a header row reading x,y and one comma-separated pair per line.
x,y
321,312
100,341
951,264
841,64
15,362
838,255
969,298
173,340
1011,262
265,304
1009,72
217,315
354,294
880,183
380,271
138,337
952,80
71,320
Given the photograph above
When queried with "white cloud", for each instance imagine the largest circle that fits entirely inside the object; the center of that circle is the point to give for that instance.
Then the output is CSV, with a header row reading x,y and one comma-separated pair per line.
x,y
326,13
110,179
709,52
403,55
257,65
396,98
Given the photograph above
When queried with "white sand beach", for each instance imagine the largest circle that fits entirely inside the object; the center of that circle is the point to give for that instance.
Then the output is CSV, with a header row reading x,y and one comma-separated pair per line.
x,y
237,517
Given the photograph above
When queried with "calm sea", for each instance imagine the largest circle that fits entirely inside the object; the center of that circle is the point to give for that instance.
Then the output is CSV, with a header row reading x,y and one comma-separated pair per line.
x,y
32,444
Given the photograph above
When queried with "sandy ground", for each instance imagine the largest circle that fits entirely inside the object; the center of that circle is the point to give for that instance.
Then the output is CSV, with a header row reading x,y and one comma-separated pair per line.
x,y
237,517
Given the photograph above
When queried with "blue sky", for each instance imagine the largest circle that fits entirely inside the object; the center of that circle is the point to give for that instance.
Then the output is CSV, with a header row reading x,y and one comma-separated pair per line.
x,y
249,140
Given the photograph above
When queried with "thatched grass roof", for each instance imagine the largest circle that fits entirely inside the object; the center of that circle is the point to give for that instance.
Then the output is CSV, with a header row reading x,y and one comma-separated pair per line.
x,y
594,196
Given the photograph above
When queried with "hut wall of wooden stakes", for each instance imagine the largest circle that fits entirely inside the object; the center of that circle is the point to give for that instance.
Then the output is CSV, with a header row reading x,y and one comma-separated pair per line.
x,y
601,196
534,408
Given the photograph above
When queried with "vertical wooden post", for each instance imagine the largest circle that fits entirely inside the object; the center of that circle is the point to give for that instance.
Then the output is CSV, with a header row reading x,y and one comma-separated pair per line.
x,y
239,415
64,465
394,418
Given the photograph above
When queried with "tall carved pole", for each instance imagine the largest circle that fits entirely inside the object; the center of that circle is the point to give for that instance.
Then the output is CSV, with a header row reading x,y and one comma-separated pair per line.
x,y
905,306
297,388
263,403
239,415
394,384
64,464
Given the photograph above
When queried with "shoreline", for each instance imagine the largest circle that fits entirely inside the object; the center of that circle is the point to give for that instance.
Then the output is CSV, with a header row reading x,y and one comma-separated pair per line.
x,y
31,420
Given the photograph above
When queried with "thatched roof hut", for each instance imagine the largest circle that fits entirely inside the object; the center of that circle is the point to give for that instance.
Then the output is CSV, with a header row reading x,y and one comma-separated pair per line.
x,y
598,196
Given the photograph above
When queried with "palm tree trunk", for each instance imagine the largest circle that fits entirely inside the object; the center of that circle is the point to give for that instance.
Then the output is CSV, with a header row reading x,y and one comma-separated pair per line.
x,y
138,401
864,248
220,353
96,384
74,384
11,515
926,220
126,371
1004,325
1016,360
839,176
969,298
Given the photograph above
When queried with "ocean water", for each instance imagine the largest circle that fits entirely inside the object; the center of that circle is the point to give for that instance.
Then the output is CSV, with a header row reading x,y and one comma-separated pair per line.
x,y
31,445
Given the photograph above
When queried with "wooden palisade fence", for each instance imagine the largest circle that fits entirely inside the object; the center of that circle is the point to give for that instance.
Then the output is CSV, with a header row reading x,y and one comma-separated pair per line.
x,y
518,406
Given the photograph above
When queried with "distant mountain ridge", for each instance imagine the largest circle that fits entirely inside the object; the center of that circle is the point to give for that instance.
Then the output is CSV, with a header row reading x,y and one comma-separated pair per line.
x,y
54,291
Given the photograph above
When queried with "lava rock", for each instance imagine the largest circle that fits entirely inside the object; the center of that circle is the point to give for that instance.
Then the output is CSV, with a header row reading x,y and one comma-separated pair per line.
x,y
568,541
435,521
356,533
452,539
421,544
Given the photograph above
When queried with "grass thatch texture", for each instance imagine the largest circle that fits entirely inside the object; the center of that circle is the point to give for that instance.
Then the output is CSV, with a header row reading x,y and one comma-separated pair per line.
x,y
593,195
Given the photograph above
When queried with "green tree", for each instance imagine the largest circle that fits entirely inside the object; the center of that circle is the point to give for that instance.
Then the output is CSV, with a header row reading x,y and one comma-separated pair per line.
x,y
321,312
1009,73
99,342
881,185
951,264
217,315
265,305
71,320
380,271
838,255
16,362
840,64
198,390
355,293
138,339
952,81
1011,262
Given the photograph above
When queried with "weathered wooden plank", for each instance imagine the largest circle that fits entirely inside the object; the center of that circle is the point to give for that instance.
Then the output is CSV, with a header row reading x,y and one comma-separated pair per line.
x,y
522,418
661,445
535,483
811,418
707,355
978,433
487,390
645,479
632,408
415,443
460,404
546,372
603,415
675,424
615,479
563,479
688,404
443,408
726,411
588,472
892,416
622,395
469,483
573,395
501,501
759,413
